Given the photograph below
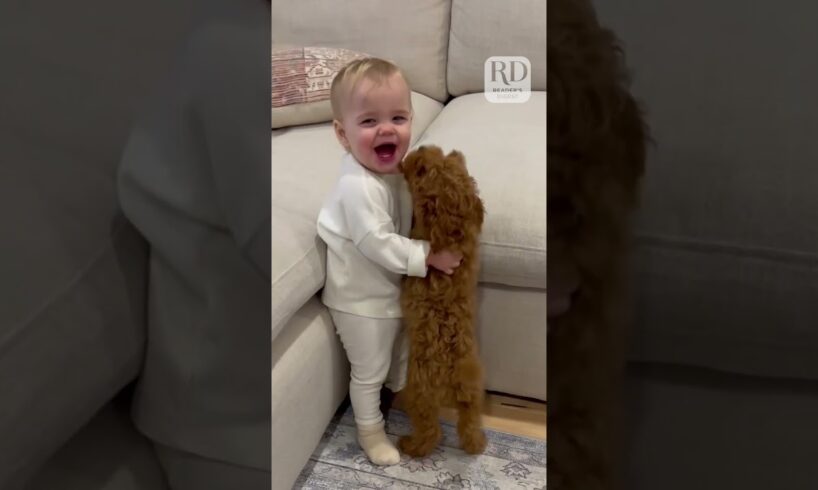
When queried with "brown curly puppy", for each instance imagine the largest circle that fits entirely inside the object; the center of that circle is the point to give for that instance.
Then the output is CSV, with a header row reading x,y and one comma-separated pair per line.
x,y
439,309
596,156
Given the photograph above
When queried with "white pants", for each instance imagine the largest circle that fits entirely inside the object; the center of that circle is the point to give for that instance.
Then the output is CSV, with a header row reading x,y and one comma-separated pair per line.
x,y
378,352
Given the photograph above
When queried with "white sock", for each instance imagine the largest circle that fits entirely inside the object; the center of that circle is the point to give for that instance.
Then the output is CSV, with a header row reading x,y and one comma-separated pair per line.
x,y
378,448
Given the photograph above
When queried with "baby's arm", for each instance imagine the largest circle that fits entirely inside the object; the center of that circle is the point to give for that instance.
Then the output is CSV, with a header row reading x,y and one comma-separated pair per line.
x,y
394,252
373,232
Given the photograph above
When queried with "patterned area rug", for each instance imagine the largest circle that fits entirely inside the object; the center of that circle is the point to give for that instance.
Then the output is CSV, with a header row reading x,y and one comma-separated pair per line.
x,y
509,462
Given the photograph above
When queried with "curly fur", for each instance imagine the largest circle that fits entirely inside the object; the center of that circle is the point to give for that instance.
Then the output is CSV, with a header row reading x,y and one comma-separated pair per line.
x,y
439,309
596,157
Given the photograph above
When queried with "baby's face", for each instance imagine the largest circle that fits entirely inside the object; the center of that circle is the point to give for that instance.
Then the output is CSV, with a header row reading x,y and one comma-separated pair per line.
x,y
376,124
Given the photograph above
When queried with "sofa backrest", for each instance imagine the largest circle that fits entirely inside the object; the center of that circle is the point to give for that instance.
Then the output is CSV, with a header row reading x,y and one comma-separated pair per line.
x,y
484,28
413,34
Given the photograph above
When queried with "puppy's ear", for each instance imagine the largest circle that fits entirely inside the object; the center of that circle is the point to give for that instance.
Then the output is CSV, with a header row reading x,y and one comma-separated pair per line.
x,y
479,210
477,207
457,158
419,167
434,151
409,163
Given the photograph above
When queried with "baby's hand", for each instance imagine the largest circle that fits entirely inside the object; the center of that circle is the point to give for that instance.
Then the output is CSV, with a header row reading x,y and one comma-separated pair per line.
x,y
444,261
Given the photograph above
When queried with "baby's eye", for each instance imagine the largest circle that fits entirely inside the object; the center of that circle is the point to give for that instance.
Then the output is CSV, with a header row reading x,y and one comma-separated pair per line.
x,y
368,121
399,118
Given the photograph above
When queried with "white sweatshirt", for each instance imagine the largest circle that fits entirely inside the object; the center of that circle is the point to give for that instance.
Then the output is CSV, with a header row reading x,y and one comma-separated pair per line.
x,y
365,222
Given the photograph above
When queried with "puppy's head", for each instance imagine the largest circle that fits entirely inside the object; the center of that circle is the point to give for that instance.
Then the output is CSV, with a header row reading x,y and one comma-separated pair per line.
x,y
447,209
421,168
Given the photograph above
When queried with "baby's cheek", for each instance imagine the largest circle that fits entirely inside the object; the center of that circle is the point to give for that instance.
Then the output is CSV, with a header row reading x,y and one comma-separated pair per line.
x,y
366,140
364,144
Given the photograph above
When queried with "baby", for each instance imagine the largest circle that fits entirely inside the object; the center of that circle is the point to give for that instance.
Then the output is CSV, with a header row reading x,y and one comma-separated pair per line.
x,y
365,223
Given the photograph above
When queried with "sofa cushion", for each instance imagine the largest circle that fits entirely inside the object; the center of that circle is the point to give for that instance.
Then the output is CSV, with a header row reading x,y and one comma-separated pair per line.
x,y
73,271
484,28
67,344
505,150
107,454
305,165
194,179
414,35
726,306
309,379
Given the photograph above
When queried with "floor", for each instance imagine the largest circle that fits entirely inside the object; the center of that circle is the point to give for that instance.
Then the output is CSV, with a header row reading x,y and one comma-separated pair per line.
x,y
504,413
510,461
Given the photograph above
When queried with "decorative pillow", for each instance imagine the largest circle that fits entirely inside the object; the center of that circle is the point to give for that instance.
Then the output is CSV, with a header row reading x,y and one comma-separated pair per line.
x,y
301,79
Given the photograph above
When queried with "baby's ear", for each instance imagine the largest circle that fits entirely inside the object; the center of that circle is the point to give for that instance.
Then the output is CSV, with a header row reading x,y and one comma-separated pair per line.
x,y
340,133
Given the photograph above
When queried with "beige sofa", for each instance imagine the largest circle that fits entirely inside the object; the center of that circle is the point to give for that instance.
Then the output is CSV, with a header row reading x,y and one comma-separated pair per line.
x,y
442,46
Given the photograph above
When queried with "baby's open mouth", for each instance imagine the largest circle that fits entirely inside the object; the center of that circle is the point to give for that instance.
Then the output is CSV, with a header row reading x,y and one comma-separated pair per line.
x,y
386,152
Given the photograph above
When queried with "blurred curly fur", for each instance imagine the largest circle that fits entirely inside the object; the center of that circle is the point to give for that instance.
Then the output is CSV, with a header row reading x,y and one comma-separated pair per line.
x,y
596,157
439,310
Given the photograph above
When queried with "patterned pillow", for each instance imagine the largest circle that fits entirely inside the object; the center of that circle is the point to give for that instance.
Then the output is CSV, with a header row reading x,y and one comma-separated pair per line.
x,y
301,79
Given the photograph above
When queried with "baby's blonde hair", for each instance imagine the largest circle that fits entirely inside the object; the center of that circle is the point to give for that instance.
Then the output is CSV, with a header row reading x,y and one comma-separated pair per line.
x,y
352,73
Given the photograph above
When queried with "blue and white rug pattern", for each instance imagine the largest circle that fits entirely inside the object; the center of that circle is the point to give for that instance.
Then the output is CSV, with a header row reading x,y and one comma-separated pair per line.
x,y
509,462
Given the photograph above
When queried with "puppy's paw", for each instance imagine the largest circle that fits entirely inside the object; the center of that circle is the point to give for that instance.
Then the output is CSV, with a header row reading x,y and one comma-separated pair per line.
x,y
473,442
417,447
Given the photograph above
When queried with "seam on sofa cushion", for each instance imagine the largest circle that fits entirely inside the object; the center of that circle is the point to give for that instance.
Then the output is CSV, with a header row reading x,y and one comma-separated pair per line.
x,y
732,339
726,248
538,251
736,255
289,269
284,315
62,291
69,413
